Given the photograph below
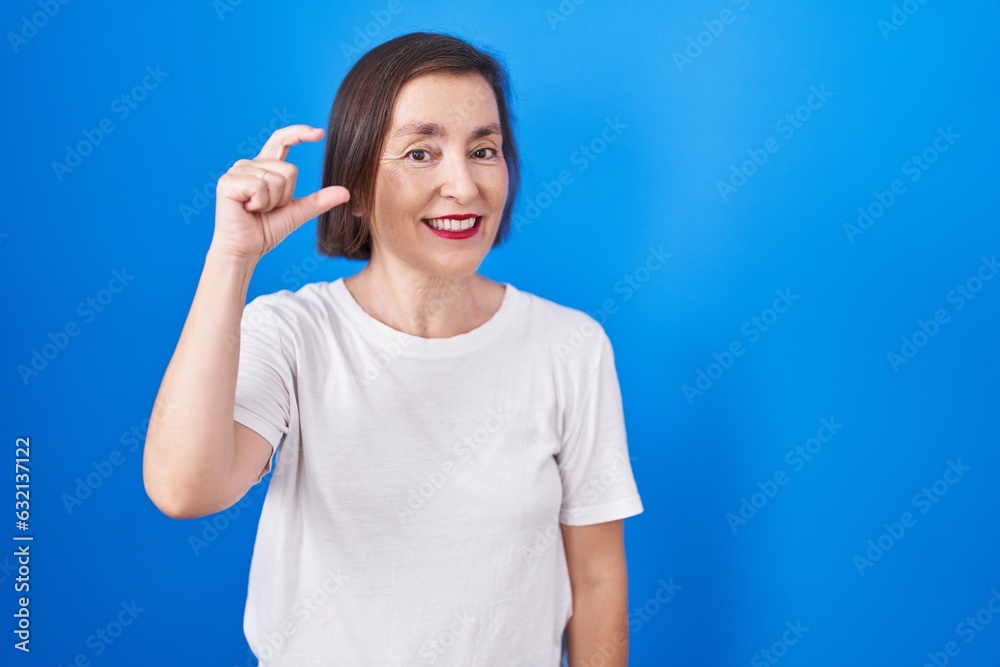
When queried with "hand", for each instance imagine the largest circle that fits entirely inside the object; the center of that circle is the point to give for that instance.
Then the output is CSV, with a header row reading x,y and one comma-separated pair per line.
x,y
254,214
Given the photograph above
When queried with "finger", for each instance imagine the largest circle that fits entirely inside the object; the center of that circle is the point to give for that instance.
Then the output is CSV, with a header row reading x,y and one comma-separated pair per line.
x,y
251,191
261,201
308,207
277,145
237,187
289,174
275,178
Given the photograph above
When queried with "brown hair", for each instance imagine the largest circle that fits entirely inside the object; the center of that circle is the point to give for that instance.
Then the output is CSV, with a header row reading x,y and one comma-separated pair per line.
x,y
359,123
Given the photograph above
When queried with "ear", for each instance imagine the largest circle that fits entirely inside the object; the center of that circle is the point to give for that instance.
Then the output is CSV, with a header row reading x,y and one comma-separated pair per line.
x,y
357,207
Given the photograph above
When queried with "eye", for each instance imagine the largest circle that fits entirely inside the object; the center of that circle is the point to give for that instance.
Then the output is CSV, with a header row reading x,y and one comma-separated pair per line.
x,y
492,152
418,155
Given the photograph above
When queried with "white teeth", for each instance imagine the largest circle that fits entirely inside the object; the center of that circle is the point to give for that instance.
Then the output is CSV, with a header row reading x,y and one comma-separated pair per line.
x,y
452,225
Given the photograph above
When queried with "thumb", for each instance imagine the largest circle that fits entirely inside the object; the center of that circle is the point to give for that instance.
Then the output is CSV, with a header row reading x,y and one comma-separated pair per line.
x,y
310,206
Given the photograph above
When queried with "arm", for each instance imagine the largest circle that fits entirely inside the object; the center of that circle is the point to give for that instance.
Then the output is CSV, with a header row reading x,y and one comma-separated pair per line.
x,y
197,459
595,555
191,464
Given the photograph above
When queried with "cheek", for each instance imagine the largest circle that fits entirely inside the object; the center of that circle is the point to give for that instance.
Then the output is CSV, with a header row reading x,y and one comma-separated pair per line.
x,y
399,189
492,179
410,184
498,183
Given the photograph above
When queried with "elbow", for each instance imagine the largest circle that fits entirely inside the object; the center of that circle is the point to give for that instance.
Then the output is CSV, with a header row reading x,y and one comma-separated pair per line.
x,y
172,506
170,502
175,493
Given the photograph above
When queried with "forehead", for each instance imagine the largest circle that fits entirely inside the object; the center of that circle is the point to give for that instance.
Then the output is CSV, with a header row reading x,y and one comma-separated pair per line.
x,y
450,99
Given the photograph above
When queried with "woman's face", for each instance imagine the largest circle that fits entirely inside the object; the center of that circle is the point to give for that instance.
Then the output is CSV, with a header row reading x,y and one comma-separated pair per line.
x,y
443,157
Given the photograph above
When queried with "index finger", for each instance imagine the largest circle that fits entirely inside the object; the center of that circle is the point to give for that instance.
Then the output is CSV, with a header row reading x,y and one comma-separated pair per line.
x,y
277,145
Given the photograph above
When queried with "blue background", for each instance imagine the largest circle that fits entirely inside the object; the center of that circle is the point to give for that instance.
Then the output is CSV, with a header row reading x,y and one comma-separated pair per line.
x,y
697,93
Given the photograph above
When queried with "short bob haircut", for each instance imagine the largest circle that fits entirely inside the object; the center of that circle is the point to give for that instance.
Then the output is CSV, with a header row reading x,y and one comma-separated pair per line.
x,y
359,123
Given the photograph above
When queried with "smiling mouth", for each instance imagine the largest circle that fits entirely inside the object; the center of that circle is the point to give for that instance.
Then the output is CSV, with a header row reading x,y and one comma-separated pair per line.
x,y
450,225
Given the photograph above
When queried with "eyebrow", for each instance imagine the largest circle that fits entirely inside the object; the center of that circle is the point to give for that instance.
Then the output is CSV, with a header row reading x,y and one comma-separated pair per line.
x,y
435,130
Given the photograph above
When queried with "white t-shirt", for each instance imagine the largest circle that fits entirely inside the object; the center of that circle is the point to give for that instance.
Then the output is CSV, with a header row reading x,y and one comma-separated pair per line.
x,y
413,514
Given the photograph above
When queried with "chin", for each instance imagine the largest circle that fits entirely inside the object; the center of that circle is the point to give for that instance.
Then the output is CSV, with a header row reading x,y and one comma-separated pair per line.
x,y
458,268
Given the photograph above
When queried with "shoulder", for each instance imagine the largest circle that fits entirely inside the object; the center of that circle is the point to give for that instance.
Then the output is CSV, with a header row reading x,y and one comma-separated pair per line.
x,y
567,331
290,309
548,313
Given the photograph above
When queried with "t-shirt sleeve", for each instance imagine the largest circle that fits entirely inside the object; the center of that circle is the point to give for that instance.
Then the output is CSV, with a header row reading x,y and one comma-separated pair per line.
x,y
264,379
593,460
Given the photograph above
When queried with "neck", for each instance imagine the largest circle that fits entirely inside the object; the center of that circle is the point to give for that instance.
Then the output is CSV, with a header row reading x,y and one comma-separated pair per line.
x,y
421,304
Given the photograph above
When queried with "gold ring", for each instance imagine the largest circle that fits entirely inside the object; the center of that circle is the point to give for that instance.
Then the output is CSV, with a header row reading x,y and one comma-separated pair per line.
x,y
260,174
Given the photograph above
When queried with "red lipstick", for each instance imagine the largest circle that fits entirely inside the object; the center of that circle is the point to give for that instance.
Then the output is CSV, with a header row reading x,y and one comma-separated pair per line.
x,y
448,234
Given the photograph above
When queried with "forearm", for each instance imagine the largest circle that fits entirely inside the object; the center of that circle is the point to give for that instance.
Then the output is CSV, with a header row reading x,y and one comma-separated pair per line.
x,y
597,633
190,441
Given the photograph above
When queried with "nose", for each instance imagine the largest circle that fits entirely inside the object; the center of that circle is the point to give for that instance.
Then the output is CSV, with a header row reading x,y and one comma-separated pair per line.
x,y
458,182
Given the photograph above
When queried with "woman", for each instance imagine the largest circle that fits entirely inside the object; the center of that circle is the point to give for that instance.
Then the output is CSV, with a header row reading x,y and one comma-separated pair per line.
x,y
453,470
